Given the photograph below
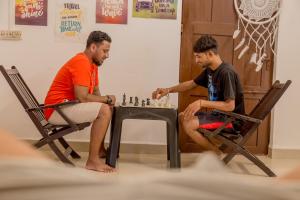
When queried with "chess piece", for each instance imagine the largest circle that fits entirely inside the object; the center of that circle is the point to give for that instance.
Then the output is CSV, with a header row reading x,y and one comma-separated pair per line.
x,y
155,104
143,103
131,100
136,101
148,102
167,101
124,100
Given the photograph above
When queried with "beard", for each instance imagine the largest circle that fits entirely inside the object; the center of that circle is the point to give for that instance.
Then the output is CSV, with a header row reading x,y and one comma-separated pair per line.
x,y
97,62
204,65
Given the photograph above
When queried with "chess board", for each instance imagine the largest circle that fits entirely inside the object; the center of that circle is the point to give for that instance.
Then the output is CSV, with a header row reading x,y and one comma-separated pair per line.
x,y
147,103
148,106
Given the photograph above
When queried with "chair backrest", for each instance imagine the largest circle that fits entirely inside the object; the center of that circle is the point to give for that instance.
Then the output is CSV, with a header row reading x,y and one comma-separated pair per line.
x,y
24,95
264,107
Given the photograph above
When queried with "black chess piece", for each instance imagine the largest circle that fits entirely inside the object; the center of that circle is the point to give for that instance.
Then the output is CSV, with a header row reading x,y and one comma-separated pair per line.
x,y
148,102
131,100
143,103
136,101
124,100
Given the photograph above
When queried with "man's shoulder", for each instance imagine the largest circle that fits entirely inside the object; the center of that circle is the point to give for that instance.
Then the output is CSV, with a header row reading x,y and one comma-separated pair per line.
x,y
79,60
80,57
227,69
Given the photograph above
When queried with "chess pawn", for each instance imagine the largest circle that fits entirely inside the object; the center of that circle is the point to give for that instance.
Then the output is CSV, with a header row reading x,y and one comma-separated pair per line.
x,y
136,101
155,104
158,103
143,103
148,102
131,100
168,105
167,101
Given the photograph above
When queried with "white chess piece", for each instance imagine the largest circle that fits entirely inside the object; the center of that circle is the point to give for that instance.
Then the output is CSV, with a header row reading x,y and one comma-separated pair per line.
x,y
167,101
155,104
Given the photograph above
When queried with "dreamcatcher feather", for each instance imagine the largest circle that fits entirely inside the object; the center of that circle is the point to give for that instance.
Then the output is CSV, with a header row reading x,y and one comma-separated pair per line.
x,y
258,20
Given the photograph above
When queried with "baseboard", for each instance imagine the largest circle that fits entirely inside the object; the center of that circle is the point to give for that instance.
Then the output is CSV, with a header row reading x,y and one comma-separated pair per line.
x,y
284,153
83,146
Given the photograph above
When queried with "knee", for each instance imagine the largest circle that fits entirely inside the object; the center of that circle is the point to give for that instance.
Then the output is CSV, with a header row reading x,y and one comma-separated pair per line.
x,y
181,117
188,126
105,111
181,120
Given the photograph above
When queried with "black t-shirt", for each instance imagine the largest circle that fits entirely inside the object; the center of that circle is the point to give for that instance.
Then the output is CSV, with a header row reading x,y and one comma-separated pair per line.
x,y
223,84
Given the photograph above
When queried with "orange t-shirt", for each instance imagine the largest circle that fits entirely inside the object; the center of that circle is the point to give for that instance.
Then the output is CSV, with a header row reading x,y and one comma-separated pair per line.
x,y
77,71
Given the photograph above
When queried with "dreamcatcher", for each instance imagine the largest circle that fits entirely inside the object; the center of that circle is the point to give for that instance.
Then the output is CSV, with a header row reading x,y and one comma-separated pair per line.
x,y
257,24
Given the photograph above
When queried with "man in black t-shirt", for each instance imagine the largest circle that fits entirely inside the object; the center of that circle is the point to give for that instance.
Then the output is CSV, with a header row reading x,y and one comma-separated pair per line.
x,y
224,92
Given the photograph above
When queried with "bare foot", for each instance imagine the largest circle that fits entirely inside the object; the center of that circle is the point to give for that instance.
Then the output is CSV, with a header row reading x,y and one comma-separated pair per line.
x,y
98,165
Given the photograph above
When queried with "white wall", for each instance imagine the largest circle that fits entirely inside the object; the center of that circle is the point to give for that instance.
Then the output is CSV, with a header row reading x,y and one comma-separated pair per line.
x,y
286,131
144,55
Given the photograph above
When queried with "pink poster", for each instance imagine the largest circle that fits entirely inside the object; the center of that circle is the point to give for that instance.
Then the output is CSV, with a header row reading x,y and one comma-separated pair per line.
x,y
31,12
111,12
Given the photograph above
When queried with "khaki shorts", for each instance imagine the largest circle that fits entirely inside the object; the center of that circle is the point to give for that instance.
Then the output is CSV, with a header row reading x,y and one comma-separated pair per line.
x,y
78,113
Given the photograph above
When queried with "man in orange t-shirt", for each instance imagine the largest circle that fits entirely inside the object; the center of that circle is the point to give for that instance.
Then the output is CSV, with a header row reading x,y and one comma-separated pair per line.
x,y
78,79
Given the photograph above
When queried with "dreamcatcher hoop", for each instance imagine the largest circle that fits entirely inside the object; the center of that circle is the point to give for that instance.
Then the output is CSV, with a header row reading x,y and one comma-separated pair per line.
x,y
259,19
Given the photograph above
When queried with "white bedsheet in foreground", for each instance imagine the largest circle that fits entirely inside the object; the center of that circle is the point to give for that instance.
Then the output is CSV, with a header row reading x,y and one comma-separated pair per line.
x,y
208,179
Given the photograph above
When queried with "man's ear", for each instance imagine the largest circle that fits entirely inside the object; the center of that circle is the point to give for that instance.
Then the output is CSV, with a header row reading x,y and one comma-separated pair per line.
x,y
210,53
93,47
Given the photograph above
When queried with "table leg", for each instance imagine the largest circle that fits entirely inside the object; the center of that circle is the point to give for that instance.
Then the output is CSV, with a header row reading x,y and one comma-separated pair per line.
x,y
114,143
173,145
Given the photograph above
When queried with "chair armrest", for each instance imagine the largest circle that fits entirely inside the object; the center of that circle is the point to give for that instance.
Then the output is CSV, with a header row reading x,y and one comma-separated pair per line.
x,y
238,116
42,106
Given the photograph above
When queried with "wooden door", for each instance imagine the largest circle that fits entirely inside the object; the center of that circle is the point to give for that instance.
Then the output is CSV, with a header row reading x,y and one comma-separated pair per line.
x,y
218,18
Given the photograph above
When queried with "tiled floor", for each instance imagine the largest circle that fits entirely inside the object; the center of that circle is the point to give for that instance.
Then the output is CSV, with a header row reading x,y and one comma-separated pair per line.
x,y
141,163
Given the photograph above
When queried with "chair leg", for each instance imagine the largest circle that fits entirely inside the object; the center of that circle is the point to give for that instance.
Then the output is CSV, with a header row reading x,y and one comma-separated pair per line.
x,y
59,154
257,162
40,143
229,157
239,149
73,153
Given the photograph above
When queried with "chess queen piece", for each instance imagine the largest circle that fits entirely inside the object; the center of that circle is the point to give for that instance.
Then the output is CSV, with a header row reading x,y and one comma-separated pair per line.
x,y
124,100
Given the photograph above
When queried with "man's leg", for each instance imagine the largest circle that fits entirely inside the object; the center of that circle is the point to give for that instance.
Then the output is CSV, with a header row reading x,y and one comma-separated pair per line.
x,y
190,127
98,132
102,151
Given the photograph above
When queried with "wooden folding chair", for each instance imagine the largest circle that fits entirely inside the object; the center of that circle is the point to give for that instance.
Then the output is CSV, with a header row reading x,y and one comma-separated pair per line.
x,y
50,133
234,140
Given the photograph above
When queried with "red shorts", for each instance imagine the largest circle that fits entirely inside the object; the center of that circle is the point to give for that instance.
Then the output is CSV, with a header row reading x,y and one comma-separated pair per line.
x,y
212,120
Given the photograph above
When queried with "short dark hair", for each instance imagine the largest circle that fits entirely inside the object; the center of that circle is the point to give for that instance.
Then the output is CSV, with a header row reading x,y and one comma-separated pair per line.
x,y
97,37
205,43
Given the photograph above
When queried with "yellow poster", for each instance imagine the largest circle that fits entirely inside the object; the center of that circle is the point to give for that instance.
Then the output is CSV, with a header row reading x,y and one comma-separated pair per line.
x,y
71,21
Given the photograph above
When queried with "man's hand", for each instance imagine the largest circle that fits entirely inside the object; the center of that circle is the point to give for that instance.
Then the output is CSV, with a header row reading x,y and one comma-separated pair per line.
x,y
190,111
160,92
113,98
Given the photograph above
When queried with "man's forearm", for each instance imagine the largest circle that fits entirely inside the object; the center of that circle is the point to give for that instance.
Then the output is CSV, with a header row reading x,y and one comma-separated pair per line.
x,y
97,92
219,105
93,98
182,87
